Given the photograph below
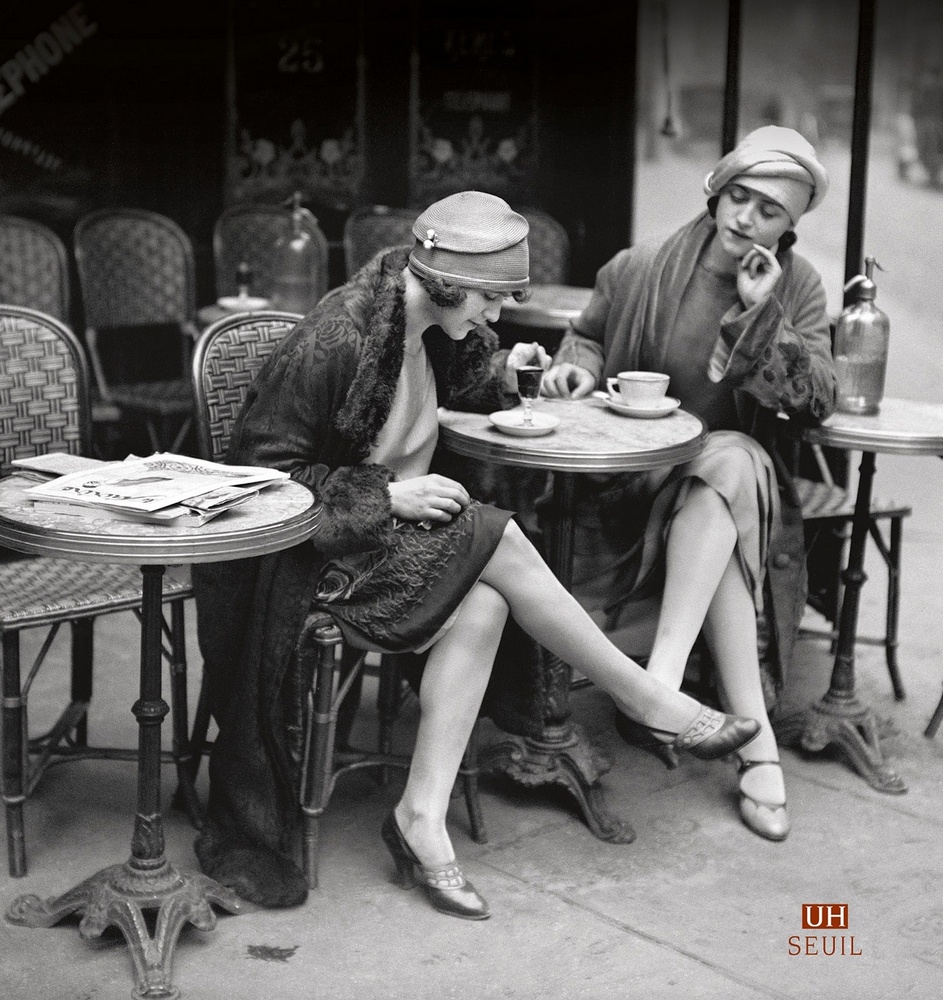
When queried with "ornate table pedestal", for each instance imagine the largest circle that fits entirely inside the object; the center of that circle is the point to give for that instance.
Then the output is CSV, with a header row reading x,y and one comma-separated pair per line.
x,y
119,895
589,439
840,719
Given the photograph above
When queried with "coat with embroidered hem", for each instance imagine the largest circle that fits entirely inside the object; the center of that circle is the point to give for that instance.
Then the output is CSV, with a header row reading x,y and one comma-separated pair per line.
x,y
313,411
775,356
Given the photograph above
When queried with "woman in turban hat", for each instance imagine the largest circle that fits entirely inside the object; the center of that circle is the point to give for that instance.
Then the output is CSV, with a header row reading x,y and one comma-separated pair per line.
x,y
714,548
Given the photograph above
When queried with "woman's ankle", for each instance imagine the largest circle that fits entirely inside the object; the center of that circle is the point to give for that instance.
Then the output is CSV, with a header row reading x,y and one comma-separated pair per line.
x,y
426,835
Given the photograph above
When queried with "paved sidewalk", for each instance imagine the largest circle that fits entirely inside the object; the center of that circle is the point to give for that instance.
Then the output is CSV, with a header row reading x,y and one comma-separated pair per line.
x,y
697,907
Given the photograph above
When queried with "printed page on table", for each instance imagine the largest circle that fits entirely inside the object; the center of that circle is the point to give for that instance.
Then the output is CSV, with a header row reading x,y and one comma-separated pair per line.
x,y
151,484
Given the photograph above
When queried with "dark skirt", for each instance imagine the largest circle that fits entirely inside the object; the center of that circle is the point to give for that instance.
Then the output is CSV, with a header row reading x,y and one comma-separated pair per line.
x,y
398,599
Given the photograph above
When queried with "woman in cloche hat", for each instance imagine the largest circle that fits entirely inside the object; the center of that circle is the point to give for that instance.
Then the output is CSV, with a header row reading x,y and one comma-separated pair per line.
x,y
715,547
404,560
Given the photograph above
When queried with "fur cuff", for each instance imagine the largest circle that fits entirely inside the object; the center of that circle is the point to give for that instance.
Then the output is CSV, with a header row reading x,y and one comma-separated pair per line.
x,y
357,514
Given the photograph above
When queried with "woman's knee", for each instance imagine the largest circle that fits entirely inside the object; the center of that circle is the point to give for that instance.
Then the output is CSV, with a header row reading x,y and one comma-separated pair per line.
x,y
515,544
739,464
485,608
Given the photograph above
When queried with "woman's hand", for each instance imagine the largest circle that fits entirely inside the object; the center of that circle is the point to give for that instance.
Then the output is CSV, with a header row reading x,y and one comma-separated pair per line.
x,y
568,381
757,275
428,498
523,354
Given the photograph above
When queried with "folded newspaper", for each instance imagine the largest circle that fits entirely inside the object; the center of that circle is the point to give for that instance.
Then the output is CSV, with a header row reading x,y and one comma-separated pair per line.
x,y
161,489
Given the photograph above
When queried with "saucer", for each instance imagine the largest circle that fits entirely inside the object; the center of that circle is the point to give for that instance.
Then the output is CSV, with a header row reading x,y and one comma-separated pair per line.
x,y
511,422
648,410
242,303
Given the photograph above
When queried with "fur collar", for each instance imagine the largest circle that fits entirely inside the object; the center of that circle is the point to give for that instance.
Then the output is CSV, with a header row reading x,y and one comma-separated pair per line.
x,y
375,300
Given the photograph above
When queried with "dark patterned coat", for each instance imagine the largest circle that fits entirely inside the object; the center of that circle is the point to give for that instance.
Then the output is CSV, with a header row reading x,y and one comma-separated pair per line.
x,y
314,412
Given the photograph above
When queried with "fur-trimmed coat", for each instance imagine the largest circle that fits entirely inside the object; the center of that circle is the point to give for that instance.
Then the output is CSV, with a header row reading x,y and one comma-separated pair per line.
x,y
314,412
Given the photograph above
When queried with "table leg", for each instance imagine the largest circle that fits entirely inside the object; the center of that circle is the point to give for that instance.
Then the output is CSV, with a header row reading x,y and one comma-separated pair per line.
x,y
562,755
840,718
118,895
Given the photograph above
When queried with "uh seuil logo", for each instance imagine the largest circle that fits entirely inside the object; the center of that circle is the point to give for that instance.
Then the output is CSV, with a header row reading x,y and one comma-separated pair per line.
x,y
824,919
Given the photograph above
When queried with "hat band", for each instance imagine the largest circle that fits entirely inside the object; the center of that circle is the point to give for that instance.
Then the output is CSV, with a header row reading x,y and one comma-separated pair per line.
x,y
499,270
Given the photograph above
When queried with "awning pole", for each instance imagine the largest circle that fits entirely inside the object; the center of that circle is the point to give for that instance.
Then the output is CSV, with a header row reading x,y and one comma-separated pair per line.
x,y
732,79
860,138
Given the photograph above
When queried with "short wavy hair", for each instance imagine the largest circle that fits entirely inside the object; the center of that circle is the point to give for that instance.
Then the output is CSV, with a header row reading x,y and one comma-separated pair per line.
x,y
449,296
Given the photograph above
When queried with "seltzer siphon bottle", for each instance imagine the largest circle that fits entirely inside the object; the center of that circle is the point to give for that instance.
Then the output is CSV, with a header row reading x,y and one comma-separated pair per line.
x,y
296,280
861,341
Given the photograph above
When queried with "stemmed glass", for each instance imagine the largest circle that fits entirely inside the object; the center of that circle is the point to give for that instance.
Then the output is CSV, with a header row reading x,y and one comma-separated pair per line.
x,y
528,388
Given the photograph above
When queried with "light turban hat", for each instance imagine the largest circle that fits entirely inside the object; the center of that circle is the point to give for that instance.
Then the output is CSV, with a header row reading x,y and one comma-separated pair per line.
x,y
779,163
472,239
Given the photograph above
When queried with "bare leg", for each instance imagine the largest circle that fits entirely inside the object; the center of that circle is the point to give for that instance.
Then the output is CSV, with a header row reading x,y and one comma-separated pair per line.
x,y
700,543
705,590
730,631
453,685
552,616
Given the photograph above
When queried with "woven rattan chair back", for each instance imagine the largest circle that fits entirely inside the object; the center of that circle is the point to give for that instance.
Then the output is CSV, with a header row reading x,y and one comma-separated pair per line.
x,y
135,269
374,228
549,248
248,234
44,407
43,387
34,267
228,356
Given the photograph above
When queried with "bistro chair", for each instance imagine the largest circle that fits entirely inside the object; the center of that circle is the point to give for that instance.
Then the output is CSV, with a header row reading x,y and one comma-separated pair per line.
x,y
44,408
549,248
228,356
247,234
34,267
828,511
136,273
373,228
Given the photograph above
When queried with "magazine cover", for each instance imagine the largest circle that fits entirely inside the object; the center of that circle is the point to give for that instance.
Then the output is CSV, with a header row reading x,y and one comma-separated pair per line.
x,y
151,484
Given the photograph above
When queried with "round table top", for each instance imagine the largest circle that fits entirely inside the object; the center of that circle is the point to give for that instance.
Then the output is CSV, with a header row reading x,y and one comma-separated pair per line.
x,y
902,426
589,438
280,516
550,307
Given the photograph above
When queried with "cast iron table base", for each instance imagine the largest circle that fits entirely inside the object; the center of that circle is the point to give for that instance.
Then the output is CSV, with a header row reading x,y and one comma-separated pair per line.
x,y
840,719
564,756
118,895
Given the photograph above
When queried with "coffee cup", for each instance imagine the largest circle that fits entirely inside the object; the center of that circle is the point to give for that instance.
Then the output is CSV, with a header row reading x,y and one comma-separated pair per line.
x,y
634,388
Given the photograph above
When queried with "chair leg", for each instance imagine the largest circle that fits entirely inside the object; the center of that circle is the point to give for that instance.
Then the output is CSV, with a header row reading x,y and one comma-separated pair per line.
x,y
180,740
14,754
470,773
893,608
934,723
316,779
347,710
82,659
201,726
389,700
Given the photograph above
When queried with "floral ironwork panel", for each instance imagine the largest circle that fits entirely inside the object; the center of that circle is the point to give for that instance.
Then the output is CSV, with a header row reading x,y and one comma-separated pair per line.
x,y
299,102
473,104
